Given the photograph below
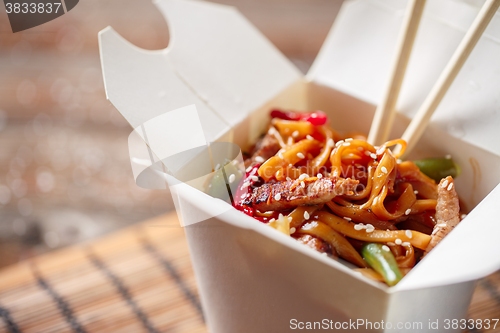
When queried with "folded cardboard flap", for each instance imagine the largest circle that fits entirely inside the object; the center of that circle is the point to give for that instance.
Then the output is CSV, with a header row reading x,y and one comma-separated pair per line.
x,y
146,169
471,252
223,58
142,85
358,52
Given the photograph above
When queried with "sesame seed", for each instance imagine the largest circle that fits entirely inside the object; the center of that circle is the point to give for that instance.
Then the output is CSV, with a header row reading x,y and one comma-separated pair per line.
x,y
245,185
380,151
290,141
217,167
348,139
398,241
259,159
330,143
463,216
384,169
232,177
370,230
249,168
292,231
408,211
358,227
435,231
303,176
347,218
450,186
445,183
339,143
441,225
373,156
254,178
290,165
409,234
288,178
399,161
406,244
416,192
300,155
277,197
306,215
385,248
309,137
244,196
361,148
295,134
367,153
319,175
345,144
303,184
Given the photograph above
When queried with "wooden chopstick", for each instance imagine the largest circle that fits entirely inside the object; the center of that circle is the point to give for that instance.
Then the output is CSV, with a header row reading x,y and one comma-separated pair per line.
x,y
431,102
386,110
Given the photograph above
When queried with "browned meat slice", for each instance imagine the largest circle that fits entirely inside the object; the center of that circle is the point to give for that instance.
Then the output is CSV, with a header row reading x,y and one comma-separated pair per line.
x,y
447,212
314,243
266,148
292,193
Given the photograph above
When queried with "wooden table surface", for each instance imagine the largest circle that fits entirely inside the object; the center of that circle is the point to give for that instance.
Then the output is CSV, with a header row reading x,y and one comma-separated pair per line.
x,y
136,280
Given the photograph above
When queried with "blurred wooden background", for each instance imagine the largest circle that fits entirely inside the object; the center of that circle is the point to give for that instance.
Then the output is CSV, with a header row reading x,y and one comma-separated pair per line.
x,y
64,168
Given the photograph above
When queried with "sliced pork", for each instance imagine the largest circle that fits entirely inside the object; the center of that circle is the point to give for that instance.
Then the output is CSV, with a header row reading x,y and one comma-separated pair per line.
x,y
447,212
292,193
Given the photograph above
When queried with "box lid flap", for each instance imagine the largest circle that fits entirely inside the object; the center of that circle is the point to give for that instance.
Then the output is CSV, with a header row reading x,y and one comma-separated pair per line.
x,y
216,60
470,254
142,85
357,56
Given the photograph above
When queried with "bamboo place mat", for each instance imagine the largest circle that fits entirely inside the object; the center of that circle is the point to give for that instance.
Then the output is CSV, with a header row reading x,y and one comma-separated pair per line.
x,y
136,280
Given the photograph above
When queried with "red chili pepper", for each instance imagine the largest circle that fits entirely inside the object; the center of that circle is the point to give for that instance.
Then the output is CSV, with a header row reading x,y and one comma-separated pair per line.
x,y
316,118
246,190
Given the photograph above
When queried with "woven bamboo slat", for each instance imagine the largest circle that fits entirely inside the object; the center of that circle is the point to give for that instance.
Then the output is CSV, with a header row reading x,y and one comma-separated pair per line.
x,y
136,280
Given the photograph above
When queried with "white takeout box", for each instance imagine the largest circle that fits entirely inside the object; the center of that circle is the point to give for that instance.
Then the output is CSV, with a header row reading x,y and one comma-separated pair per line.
x,y
217,81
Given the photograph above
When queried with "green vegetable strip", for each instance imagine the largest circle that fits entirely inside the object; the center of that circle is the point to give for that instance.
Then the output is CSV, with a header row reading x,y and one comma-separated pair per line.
x,y
383,262
220,187
438,168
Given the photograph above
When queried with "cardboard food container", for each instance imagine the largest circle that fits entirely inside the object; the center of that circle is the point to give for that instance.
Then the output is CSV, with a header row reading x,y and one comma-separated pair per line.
x,y
194,104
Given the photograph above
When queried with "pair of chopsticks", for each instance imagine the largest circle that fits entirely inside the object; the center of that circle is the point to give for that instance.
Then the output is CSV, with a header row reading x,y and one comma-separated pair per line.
x,y
384,115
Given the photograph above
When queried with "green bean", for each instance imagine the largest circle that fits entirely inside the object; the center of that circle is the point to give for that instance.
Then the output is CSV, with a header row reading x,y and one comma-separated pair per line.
x,y
381,259
218,184
438,168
